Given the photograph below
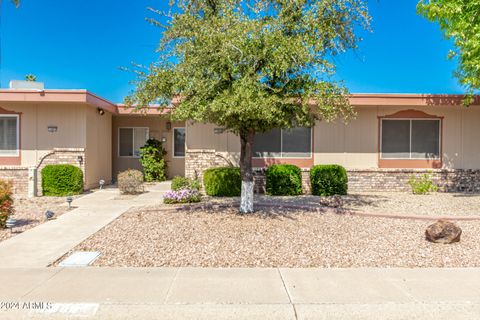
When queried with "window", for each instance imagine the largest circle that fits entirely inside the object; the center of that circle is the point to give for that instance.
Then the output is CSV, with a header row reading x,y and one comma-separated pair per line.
x,y
179,142
410,139
284,143
131,140
9,137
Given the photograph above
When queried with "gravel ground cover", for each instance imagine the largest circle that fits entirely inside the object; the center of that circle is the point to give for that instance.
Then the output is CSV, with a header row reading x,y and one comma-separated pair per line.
x,y
274,238
403,203
30,212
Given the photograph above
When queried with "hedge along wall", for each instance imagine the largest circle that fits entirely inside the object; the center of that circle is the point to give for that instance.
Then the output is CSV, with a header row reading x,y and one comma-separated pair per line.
x,y
359,180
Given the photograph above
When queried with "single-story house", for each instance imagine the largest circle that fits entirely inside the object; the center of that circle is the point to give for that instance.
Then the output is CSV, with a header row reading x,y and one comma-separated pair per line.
x,y
393,137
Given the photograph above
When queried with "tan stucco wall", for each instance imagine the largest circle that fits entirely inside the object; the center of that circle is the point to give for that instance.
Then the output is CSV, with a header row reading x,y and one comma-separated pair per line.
x,y
79,126
35,139
157,130
98,162
355,145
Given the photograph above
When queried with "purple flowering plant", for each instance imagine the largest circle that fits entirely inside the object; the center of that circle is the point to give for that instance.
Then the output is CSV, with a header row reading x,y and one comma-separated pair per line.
x,y
181,196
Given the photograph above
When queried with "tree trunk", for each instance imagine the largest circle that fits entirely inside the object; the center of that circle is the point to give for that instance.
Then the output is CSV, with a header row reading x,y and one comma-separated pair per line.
x,y
246,142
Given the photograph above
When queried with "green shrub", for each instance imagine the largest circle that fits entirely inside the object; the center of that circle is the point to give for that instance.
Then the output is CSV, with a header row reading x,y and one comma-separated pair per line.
x,y
130,181
182,183
283,180
328,180
6,202
222,182
62,180
152,159
422,184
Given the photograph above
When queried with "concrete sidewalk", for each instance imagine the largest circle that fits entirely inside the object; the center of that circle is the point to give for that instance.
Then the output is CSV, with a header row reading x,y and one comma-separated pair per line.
x,y
42,245
207,293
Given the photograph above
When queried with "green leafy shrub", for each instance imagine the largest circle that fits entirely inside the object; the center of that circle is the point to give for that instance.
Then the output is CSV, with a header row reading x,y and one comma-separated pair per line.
x,y
283,180
152,159
422,184
182,183
328,180
130,181
62,180
6,202
222,182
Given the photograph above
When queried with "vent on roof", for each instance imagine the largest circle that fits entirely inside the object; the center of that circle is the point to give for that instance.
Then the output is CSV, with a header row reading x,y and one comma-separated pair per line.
x,y
26,85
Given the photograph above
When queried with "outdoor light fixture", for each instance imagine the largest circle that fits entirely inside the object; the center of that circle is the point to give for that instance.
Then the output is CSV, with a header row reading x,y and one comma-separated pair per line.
x,y
169,126
218,130
69,201
49,214
101,111
52,129
101,183
80,159
10,223
164,139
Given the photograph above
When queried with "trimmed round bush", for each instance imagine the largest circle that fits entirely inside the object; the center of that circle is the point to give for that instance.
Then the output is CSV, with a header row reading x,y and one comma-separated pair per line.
x,y
283,180
130,181
182,183
62,180
328,180
222,182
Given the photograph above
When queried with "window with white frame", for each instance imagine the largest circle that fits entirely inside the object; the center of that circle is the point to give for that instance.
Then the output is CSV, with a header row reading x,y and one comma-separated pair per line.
x,y
9,135
179,142
130,140
283,143
410,138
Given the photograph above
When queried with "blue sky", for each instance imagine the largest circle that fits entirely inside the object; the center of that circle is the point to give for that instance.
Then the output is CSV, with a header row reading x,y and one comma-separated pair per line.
x,y
81,44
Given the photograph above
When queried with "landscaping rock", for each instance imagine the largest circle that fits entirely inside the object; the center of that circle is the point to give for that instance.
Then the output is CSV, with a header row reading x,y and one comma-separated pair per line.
x,y
332,201
443,231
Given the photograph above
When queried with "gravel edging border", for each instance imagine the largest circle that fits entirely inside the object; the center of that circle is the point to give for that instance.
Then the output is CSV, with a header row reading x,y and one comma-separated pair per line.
x,y
193,207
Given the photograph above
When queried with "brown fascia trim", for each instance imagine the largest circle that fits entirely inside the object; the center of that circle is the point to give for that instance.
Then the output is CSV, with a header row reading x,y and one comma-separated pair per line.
x,y
52,96
420,100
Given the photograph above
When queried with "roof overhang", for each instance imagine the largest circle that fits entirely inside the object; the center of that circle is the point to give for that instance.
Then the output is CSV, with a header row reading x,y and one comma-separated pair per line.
x,y
418,100
57,96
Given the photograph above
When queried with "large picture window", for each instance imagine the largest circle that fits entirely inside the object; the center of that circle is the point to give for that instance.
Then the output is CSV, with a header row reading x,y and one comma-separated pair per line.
x,y
9,135
179,142
284,143
410,139
131,140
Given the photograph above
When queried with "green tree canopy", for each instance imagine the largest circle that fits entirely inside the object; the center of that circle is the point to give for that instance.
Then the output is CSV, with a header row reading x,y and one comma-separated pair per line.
x,y
253,65
460,21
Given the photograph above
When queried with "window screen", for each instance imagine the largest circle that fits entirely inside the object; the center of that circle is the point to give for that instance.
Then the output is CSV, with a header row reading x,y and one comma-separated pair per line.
x,y
410,139
140,137
396,139
425,139
179,142
8,135
286,143
296,142
131,140
268,144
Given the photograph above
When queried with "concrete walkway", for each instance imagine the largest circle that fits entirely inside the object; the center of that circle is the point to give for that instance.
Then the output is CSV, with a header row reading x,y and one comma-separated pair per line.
x,y
42,245
204,293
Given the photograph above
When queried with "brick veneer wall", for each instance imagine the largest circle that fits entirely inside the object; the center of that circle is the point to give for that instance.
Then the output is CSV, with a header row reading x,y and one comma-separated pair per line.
x,y
373,180
60,156
19,178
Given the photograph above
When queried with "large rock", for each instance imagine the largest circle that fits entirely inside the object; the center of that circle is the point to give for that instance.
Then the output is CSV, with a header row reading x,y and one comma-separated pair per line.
x,y
443,231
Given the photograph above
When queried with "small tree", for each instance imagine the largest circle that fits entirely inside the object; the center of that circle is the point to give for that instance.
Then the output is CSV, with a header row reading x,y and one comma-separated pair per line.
x,y
31,77
460,21
252,65
152,158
